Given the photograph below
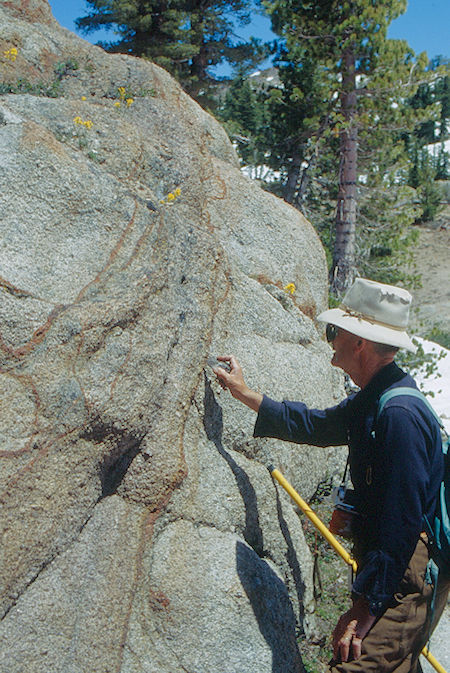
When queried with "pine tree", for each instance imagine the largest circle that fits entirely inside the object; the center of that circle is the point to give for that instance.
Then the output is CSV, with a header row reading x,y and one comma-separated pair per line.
x,y
300,113
429,159
186,37
369,79
244,118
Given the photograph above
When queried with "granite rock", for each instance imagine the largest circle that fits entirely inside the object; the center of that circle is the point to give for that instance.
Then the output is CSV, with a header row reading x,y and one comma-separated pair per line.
x,y
141,530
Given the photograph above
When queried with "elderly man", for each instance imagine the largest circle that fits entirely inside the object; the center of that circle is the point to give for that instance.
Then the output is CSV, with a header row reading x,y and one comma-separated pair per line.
x,y
396,467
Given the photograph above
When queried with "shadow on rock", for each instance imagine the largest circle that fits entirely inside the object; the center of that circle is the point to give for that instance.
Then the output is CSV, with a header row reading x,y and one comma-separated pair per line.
x,y
272,608
266,592
213,424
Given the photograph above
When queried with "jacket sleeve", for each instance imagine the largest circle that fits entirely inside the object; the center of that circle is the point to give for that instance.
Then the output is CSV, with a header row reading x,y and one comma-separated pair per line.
x,y
295,422
405,463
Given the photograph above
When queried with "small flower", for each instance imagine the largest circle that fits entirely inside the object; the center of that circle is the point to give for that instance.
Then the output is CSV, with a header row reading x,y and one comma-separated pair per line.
x,y
117,103
83,98
11,54
290,288
129,101
121,90
88,123
171,196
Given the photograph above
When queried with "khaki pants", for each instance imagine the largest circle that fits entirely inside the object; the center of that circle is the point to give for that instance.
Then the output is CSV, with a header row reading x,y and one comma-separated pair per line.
x,y
395,641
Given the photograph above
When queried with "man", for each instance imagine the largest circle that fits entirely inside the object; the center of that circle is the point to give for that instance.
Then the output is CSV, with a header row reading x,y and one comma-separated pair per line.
x,y
396,467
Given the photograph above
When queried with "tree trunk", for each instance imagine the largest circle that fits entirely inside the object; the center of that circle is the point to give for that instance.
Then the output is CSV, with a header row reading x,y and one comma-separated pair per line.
x,y
199,65
290,189
344,265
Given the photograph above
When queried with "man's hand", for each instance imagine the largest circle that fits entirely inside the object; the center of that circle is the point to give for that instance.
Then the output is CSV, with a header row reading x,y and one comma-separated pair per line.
x,y
350,630
234,381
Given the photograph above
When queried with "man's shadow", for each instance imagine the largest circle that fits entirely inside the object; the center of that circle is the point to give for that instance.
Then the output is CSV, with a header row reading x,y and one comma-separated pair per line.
x,y
267,594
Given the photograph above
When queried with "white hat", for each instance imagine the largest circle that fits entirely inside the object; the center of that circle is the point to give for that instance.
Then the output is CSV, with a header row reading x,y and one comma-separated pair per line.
x,y
374,311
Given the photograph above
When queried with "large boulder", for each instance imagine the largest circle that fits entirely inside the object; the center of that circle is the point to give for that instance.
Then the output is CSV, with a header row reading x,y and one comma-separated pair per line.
x,y
141,530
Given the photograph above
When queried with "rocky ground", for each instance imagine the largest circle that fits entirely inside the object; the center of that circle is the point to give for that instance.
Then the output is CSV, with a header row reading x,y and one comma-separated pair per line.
x,y
439,645
433,298
431,258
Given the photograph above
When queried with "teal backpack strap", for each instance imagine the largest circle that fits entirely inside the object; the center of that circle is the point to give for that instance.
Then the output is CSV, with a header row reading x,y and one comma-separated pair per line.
x,y
439,529
412,392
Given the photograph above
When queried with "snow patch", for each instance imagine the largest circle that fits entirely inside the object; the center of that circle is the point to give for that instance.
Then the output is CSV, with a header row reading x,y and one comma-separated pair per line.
x,y
439,383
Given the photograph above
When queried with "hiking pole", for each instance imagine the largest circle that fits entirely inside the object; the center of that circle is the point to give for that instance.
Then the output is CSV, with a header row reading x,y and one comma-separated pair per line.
x,y
306,509
433,661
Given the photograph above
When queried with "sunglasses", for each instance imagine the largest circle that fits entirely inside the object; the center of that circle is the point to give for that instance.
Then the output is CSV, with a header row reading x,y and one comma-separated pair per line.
x,y
331,332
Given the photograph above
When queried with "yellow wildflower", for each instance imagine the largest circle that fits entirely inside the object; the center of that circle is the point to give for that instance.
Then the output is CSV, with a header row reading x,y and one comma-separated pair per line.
x,y
121,90
290,288
11,54
117,103
171,196
130,101
88,123
83,98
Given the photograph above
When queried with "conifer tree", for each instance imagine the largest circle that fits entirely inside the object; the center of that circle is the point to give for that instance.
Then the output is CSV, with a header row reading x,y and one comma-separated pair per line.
x,y
243,115
369,79
186,37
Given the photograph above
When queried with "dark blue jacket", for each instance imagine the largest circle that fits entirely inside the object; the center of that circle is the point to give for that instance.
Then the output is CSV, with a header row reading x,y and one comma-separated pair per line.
x,y
396,466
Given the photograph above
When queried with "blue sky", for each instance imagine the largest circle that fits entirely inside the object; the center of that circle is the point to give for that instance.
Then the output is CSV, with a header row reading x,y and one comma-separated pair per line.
x,y
425,25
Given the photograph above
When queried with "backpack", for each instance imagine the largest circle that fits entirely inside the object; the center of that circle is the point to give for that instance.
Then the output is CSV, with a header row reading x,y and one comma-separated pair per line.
x,y
439,529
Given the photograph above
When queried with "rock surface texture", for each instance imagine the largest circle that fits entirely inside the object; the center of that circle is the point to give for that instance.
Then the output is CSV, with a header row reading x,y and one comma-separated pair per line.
x,y
141,531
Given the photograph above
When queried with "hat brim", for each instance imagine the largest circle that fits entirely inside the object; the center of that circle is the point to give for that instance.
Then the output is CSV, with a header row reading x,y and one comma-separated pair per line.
x,y
367,329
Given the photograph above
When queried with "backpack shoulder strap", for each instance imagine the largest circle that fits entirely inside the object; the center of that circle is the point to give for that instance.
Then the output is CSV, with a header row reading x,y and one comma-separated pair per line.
x,y
412,392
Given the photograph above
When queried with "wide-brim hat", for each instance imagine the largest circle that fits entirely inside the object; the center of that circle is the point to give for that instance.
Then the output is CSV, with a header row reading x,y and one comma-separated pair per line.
x,y
374,311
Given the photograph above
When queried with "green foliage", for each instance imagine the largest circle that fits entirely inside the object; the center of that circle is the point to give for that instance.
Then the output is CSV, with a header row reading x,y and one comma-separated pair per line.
x,y
301,125
186,38
21,85
432,101
65,68
442,164
47,89
244,116
439,336
423,174
430,196
435,93
426,363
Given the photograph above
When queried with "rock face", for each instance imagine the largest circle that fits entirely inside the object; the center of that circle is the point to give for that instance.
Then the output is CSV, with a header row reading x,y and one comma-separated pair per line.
x,y
141,530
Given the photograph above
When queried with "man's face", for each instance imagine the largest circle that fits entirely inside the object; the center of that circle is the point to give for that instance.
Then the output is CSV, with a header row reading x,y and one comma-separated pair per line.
x,y
343,346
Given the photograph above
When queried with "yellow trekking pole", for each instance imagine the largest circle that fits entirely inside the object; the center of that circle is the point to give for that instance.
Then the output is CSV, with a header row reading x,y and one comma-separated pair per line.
x,y
306,509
